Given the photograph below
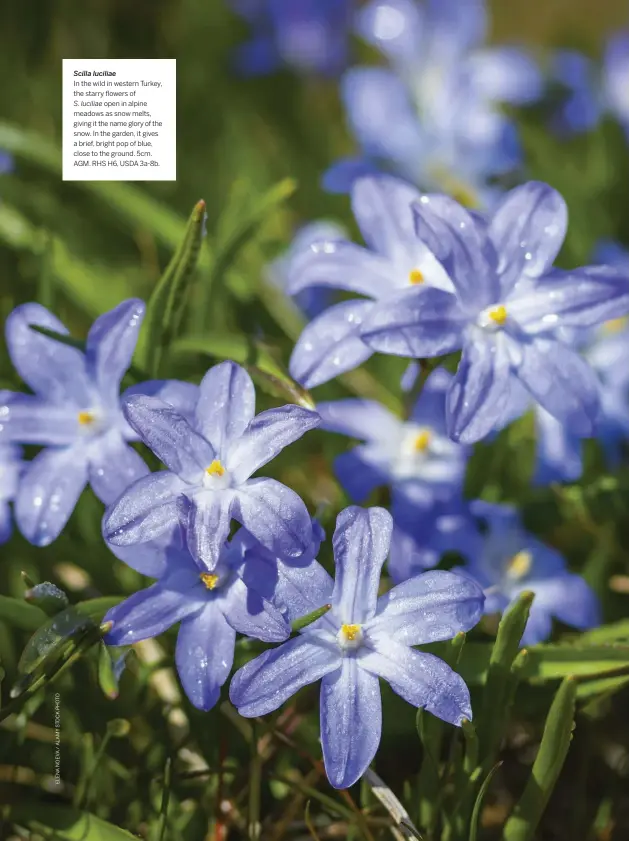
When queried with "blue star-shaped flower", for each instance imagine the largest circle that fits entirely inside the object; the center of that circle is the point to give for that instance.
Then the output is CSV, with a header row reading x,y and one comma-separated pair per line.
x,y
441,93
210,458
395,260
505,313
11,468
308,35
74,414
364,638
211,606
507,560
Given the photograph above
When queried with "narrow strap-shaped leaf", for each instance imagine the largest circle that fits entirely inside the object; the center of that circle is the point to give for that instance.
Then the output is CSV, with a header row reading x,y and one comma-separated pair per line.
x,y
551,756
167,303
479,802
106,675
309,618
20,615
499,679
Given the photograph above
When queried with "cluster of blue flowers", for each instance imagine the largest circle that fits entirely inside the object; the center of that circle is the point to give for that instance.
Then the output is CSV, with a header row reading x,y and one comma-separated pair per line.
x,y
433,279
445,280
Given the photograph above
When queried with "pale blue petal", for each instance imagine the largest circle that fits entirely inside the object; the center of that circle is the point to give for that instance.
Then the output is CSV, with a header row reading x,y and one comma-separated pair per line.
x,y
257,57
227,403
562,382
51,369
375,99
422,679
49,489
366,420
204,655
424,322
459,240
559,452
6,521
113,467
110,346
351,722
266,436
264,684
528,229
361,545
148,613
181,395
456,25
275,515
395,27
383,207
169,435
480,392
568,597
505,74
147,510
433,606
206,517
249,614
340,177
579,298
30,420
616,75
331,345
153,558
362,470
340,264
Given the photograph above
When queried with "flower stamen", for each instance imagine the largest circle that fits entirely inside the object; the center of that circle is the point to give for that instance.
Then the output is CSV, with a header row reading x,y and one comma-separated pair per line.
x,y
421,442
498,315
520,565
209,579
350,637
215,469
86,418
416,277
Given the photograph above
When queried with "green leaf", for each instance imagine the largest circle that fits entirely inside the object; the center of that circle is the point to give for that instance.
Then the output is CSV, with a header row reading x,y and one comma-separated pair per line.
x,y
479,802
166,305
550,758
106,677
21,615
64,822
48,597
498,685
304,621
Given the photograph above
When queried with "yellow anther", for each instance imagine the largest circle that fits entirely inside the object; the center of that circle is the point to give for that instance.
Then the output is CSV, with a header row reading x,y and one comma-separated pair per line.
x,y
615,325
209,579
421,441
498,314
416,277
465,196
350,632
215,469
86,418
520,565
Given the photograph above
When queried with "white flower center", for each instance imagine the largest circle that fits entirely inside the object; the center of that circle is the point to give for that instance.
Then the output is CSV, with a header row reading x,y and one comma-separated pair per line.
x,y
91,422
215,477
350,637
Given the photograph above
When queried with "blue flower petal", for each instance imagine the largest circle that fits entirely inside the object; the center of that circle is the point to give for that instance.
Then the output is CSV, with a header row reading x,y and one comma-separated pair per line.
x,y
429,607
30,420
616,74
361,544
263,684
506,74
113,467
423,322
266,436
147,510
562,382
48,492
340,177
204,655
110,345
331,345
395,27
340,264
559,456
480,392
249,614
351,722
362,470
366,420
422,679
257,57
227,403
275,515
528,229
182,396
51,369
206,517
149,612
170,436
